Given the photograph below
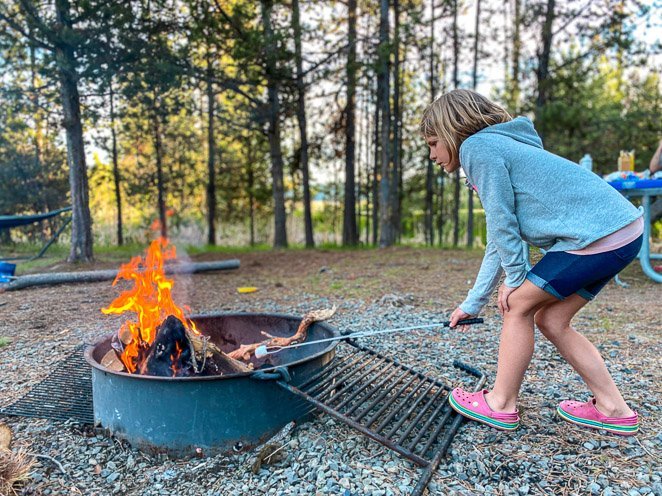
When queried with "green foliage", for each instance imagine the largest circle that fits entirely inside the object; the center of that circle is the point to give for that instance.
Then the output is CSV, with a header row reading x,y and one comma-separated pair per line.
x,y
600,111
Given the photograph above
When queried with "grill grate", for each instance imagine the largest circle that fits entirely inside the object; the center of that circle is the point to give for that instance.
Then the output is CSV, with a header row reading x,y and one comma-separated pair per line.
x,y
387,401
65,394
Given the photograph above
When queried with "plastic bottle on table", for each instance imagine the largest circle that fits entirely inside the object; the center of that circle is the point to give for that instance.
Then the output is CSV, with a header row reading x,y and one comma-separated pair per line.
x,y
586,162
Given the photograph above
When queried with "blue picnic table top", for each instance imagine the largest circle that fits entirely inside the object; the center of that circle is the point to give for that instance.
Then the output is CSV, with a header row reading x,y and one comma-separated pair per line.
x,y
645,189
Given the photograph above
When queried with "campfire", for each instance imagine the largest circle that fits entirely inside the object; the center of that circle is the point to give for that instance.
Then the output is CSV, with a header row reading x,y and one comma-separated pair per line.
x,y
160,340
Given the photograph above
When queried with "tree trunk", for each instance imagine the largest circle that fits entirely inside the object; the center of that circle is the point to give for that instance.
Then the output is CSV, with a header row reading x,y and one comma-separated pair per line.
x,y
81,225
441,217
542,72
456,177
387,234
429,173
517,48
211,155
280,232
251,201
303,133
116,170
375,178
470,202
349,233
160,183
397,126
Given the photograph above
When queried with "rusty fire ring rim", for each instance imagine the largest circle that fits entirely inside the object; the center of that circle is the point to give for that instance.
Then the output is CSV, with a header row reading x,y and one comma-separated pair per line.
x,y
334,332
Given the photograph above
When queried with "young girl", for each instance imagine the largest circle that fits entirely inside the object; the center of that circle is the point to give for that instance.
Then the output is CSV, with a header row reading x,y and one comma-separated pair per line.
x,y
589,231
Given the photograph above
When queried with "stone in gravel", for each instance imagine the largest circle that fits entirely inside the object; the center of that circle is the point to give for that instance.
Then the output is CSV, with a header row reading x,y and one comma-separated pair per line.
x,y
589,445
594,487
608,491
524,489
113,477
645,490
92,461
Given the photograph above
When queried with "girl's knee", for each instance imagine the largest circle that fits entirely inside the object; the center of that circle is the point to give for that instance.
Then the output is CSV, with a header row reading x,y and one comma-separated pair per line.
x,y
550,325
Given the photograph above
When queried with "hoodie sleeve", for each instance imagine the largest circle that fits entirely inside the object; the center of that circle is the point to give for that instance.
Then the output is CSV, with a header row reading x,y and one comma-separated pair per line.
x,y
486,282
492,179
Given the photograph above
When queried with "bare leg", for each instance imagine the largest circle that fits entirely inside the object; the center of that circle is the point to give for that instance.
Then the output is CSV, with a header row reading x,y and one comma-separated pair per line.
x,y
553,320
516,346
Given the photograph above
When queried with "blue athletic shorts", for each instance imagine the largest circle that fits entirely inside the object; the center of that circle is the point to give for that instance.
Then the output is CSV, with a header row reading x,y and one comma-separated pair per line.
x,y
562,274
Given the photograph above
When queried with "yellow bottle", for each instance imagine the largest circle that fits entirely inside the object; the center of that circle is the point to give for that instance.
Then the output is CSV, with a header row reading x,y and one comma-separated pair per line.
x,y
626,161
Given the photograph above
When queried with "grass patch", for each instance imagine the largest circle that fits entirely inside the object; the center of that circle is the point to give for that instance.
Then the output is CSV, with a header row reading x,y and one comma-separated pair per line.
x,y
4,341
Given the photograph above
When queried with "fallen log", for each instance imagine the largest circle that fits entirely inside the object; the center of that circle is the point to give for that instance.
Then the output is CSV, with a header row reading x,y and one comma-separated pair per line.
x,y
49,279
245,351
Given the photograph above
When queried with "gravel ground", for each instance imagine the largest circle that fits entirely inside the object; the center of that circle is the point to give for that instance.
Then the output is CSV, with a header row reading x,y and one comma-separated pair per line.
x,y
545,456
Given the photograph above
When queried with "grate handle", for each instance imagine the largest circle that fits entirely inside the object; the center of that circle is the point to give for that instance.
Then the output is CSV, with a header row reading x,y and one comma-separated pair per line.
x,y
467,368
277,374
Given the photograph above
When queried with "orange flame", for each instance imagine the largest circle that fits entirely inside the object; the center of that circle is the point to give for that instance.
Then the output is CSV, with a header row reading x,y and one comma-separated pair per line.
x,y
150,299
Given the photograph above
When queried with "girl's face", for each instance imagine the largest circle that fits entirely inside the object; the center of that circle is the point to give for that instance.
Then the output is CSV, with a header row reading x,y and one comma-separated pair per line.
x,y
439,153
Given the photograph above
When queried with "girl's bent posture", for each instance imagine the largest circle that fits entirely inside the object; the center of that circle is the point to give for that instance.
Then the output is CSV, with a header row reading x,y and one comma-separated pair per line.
x,y
589,231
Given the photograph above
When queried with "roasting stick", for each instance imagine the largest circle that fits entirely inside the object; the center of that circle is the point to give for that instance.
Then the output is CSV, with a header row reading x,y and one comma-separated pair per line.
x,y
264,350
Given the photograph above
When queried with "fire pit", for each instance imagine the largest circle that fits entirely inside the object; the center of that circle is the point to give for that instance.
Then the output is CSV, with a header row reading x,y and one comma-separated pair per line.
x,y
216,413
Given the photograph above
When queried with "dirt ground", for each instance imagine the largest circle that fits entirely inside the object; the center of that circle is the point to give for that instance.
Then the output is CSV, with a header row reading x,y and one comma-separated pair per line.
x,y
44,322
432,279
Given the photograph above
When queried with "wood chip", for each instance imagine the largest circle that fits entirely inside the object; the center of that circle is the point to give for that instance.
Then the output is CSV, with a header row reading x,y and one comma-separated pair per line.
x,y
5,436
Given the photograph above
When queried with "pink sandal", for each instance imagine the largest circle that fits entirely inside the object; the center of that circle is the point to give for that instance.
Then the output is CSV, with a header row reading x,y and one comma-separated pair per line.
x,y
587,415
474,406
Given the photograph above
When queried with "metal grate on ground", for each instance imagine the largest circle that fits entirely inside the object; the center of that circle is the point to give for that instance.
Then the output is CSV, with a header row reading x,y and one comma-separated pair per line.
x,y
394,404
65,394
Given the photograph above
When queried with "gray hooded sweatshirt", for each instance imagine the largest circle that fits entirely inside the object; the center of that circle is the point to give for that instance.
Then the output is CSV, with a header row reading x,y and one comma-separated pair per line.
x,y
533,195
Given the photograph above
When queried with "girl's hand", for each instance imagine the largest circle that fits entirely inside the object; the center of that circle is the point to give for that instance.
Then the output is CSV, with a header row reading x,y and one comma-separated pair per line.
x,y
504,293
457,315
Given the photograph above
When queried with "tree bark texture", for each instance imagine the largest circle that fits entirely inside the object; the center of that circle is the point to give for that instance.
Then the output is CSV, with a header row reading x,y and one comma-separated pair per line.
x,y
517,48
303,132
211,155
349,232
456,177
397,125
160,183
280,232
542,72
117,179
387,234
429,173
470,199
81,225
375,177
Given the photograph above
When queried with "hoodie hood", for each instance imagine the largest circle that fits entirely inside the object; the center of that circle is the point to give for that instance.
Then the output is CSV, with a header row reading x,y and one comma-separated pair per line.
x,y
520,129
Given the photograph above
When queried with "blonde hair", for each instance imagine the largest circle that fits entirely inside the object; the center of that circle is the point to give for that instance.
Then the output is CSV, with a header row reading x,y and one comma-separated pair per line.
x,y
456,115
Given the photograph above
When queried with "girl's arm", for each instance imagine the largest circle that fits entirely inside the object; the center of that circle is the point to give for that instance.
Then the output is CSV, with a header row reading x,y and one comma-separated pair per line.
x,y
486,282
487,170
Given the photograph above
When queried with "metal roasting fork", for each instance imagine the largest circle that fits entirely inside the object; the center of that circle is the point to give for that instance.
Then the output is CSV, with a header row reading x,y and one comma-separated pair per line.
x,y
263,350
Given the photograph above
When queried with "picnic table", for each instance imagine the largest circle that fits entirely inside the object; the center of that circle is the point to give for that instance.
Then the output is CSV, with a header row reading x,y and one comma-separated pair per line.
x,y
645,189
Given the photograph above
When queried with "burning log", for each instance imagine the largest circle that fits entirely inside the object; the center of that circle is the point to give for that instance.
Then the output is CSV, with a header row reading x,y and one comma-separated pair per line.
x,y
245,351
210,356
171,352
175,352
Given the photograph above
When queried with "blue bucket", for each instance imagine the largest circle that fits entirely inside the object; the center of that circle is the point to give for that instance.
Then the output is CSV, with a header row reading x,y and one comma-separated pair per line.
x,y
6,271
